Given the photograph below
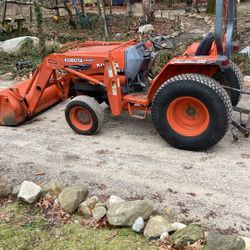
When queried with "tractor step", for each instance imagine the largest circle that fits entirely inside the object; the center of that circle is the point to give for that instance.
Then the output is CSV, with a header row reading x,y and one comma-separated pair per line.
x,y
136,99
137,102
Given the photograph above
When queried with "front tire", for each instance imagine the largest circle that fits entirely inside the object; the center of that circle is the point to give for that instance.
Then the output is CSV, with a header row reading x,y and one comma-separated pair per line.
x,y
191,112
84,115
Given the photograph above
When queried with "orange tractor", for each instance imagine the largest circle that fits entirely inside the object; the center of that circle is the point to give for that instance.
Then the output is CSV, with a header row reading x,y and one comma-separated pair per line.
x,y
190,100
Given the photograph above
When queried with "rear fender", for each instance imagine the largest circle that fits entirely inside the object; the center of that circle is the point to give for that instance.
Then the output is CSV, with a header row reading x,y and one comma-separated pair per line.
x,y
183,65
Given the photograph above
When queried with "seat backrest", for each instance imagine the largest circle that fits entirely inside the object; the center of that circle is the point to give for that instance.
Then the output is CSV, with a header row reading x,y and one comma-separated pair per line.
x,y
205,45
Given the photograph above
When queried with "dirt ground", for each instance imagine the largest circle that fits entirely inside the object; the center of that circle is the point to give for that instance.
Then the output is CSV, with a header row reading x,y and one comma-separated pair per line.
x,y
128,158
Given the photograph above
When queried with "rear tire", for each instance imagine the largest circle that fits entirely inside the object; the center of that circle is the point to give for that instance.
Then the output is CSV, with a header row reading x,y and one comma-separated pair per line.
x,y
191,112
84,115
233,78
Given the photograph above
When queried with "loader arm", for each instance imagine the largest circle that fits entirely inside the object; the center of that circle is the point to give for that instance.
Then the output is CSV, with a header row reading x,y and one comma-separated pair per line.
x,y
45,88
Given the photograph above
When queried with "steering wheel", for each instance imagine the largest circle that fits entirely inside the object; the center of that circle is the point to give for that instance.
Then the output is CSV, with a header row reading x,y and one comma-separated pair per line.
x,y
160,43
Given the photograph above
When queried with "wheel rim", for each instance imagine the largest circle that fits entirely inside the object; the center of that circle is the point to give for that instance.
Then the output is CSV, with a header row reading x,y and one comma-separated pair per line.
x,y
81,118
188,116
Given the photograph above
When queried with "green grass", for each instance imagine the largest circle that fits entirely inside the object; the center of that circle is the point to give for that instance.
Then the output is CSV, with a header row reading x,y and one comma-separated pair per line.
x,y
24,227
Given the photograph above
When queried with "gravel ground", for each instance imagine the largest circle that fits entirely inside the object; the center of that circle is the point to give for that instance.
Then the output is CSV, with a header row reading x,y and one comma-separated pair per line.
x,y
128,158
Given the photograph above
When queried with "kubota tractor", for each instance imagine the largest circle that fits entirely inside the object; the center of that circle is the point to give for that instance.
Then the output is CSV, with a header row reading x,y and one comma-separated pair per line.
x,y
190,100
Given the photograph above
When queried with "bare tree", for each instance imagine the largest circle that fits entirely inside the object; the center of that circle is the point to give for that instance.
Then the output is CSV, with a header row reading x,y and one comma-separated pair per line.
x,y
101,7
71,18
129,7
82,6
57,9
4,10
148,13
110,7
211,7
39,22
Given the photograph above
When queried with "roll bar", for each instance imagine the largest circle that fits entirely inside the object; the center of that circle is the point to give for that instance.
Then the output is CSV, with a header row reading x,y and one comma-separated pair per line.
x,y
218,34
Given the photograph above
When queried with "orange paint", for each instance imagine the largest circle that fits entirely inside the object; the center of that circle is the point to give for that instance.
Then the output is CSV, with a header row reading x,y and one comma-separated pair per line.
x,y
188,116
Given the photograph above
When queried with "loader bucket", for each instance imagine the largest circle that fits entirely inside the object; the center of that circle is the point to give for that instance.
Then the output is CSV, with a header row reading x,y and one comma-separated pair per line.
x,y
16,104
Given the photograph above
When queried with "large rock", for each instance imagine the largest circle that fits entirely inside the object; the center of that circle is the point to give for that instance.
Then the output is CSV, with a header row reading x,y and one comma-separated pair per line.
x,y
6,77
177,226
92,201
146,28
125,213
29,192
247,81
14,45
217,241
114,199
156,226
5,190
16,189
99,213
246,51
53,188
247,242
71,197
100,204
189,234
87,206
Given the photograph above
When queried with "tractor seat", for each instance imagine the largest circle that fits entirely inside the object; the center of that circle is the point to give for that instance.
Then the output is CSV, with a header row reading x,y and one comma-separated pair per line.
x,y
205,45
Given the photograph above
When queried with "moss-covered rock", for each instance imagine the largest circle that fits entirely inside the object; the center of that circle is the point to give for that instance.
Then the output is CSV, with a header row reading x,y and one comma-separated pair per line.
x,y
217,241
189,234
125,213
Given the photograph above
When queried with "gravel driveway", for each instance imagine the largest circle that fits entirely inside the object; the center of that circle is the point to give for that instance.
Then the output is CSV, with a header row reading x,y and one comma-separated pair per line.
x,y
128,158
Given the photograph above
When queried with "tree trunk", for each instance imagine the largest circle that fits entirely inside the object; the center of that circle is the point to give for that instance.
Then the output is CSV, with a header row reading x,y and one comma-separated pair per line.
x,y
31,13
146,6
129,8
39,23
169,3
110,7
211,7
71,18
4,10
103,15
82,6
57,9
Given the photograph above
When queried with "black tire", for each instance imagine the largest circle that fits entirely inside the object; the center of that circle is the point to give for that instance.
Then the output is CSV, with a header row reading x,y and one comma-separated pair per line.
x,y
95,114
205,45
233,78
208,92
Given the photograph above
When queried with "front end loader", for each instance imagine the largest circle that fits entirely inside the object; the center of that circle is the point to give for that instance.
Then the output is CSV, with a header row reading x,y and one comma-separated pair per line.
x,y
190,100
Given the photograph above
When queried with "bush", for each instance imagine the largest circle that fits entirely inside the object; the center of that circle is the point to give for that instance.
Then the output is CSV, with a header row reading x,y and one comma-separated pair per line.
x,y
163,58
243,61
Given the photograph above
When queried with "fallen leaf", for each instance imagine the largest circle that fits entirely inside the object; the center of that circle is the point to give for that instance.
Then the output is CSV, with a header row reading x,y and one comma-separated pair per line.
x,y
40,173
112,236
